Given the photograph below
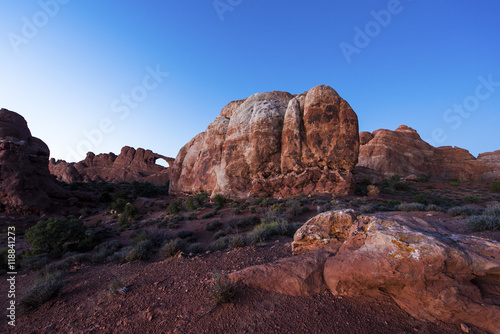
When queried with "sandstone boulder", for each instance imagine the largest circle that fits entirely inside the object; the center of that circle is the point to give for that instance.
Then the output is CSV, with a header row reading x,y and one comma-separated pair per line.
x,y
273,144
26,184
130,165
430,273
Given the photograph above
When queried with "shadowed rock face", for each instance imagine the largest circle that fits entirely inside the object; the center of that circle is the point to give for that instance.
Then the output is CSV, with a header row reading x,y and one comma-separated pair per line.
x,y
131,165
431,274
24,175
385,153
273,144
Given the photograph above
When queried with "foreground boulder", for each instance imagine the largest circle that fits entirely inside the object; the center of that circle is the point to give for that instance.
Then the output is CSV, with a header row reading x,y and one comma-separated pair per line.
x,y
25,182
131,165
273,144
429,273
384,153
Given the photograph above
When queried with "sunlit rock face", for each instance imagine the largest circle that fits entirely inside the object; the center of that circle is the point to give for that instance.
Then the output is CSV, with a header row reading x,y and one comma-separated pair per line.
x,y
273,145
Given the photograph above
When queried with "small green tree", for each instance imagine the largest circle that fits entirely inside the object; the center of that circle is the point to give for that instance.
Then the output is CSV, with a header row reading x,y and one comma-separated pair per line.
x,y
495,186
219,200
50,236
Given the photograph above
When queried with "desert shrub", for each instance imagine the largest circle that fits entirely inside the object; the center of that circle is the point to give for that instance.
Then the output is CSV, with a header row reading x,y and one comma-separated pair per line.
x,y
173,225
118,205
190,204
483,223
235,211
222,289
209,214
252,209
265,231
185,234
492,211
141,251
130,210
119,255
433,207
495,186
195,248
172,247
116,287
236,223
430,186
104,250
274,214
410,207
42,290
393,203
400,186
175,207
294,207
463,211
454,184
395,178
472,199
237,241
367,208
53,235
219,244
149,190
35,263
158,237
420,198
219,235
424,177
362,187
219,200
213,225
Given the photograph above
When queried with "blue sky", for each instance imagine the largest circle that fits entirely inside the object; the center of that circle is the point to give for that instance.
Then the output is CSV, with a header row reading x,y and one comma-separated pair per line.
x,y
99,75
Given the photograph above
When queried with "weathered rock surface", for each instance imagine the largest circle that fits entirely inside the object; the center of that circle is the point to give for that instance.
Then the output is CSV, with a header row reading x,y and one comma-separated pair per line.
x,y
273,144
404,153
131,165
25,182
430,273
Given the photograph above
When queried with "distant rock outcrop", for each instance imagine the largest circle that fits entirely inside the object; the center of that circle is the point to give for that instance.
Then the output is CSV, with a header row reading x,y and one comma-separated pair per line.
x,y
131,165
273,144
384,153
25,182
430,273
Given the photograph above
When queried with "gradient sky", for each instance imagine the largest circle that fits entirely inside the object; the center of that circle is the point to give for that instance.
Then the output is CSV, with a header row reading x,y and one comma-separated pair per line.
x,y
68,66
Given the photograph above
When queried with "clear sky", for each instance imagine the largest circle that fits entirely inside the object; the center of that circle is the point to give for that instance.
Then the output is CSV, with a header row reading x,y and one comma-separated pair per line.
x,y
99,75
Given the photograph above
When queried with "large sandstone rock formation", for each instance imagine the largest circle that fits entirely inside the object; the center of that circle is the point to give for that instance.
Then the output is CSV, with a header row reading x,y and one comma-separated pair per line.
x,y
430,273
131,165
25,182
273,144
384,153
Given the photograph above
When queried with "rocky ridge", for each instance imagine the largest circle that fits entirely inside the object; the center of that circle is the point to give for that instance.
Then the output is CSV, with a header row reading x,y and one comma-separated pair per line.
x,y
384,153
130,165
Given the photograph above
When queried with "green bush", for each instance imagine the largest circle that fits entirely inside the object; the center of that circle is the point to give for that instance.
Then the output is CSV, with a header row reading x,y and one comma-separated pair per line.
x,y
104,250
195,248
130,210
433,207
118,205
483,223
420,198
42,291
185,234
424,177
219,200
175,207
53,235
400,186
219,244
367,208
472,199
495,186
237,241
